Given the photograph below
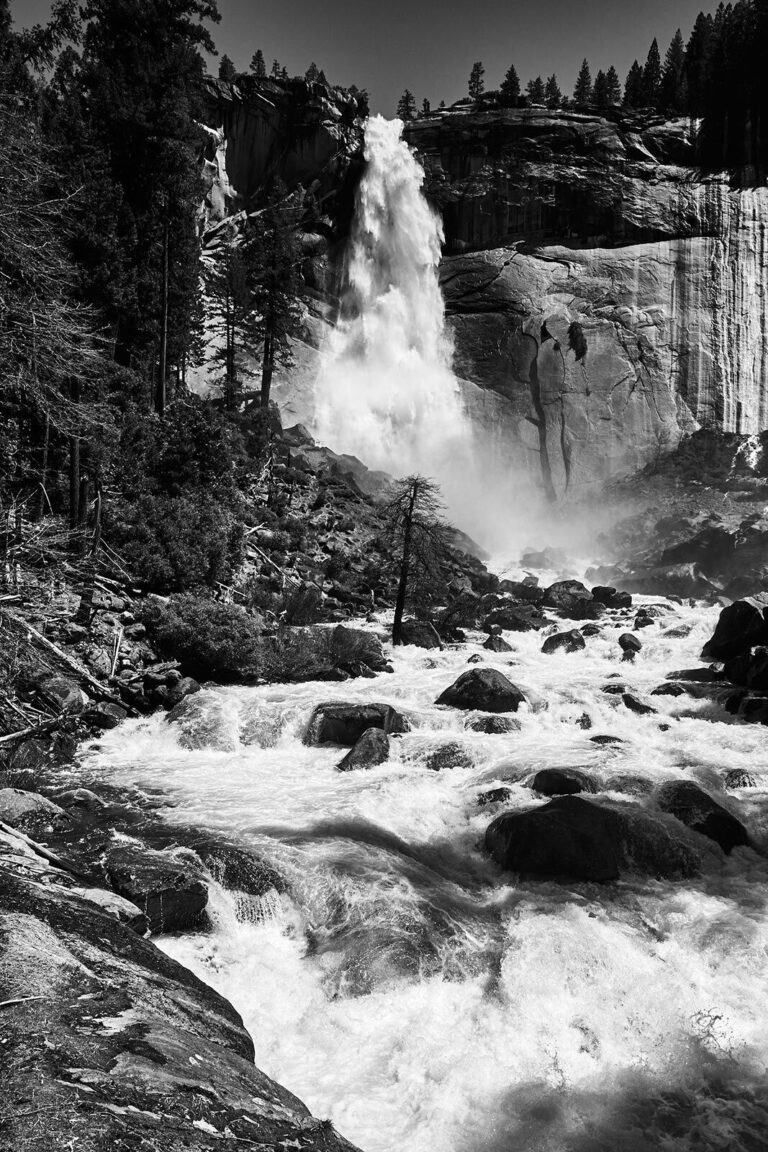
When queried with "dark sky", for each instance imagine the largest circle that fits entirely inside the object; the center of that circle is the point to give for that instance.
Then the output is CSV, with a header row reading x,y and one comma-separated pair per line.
x,y
429,46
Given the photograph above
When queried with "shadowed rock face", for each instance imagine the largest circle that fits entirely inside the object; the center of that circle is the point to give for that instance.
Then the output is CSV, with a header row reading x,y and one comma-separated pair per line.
x,y
601,291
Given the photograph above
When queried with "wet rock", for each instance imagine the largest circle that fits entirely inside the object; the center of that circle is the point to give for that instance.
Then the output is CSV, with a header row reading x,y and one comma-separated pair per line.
x,y
572,599
372,748
697,810
590,630
475,658
482,690
562,782
450,755
81,798
62,694
527,590
497,644
420,633
738,778
740,626
572,641
584,721
203,722
577,839
697,675
344,724
614,689
643,620
636,705
493,796
749,670
494,725
114,905
516,618
236,868
668,690
605,739
630,645
167,887
628,784
609,597
28,811
27,757
103,714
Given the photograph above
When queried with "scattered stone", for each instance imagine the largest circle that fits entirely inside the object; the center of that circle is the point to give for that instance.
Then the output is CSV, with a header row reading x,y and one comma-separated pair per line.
x,y
494,796
630,645
28,811
496,644
475,658
609,597
749,670
590,630
81,798
584,721
344,724
482,690
494,725
643,620
372,748
636,705
572,641
450,755
697,675
614,689
738,778
62,694
572,599
604,739
516,618
577,839
668,690
562,782
103,714
167,887
697,810
420,633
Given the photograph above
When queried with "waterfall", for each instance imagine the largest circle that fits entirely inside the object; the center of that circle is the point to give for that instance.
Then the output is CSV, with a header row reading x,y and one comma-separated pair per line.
x,y
386,391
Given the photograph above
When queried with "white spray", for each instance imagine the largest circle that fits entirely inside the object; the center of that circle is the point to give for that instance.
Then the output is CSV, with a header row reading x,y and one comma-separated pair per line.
x,y
386,392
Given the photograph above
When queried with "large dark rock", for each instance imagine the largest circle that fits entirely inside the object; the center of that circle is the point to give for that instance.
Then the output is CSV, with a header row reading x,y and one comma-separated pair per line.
x,y
516,618
609,597
167,886
749,670
482,690
344,724
318,653
62,694
420,633
636,705
562,782
695,808
577,839
569,597
528,590
494,725
372,748
497,644
741,626
104,714
572,641
29,811
448,755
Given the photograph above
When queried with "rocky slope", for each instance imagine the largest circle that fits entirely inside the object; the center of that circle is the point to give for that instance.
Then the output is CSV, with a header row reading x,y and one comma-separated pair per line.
x,y
605,291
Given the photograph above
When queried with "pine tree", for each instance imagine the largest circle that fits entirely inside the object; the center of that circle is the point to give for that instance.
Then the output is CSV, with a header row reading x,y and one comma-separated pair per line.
x,y
697,62
510,87
312,73
535,90
652,76
406,106
258,66
227,70
600,90
582,93
426,107
673,94
419,542
613,87
321,77
552,95
476,85
275,73
633,87
232,319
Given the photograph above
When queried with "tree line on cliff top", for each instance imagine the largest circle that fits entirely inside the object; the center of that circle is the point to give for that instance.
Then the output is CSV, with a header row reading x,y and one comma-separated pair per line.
x,y
718,76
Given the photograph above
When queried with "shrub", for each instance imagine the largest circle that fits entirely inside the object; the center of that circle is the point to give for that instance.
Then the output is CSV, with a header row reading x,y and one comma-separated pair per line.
x,y
212,641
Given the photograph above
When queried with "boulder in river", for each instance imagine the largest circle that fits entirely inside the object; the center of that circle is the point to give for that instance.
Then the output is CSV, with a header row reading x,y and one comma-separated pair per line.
x,y
344,723
497,644
697,810
577,839
573,599
749,670
167,886
448,755
372,748
610,597
562,782
493,796
741,626
628,784
420,633
494,725
572,641
482,690
738,778
636,705
630,645
29,811
515,618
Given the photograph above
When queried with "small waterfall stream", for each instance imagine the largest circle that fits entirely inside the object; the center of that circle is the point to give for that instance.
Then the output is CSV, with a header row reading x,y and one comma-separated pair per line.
x,y
409,990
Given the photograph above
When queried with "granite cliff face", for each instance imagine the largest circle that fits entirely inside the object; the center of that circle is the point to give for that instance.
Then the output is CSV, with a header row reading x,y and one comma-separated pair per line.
x,y
605,296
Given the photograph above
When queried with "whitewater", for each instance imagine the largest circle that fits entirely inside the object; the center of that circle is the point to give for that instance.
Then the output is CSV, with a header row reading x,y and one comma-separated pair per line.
x,y
406,988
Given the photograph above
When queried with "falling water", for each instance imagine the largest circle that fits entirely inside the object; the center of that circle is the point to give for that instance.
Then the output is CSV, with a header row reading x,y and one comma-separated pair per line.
x,y
386,392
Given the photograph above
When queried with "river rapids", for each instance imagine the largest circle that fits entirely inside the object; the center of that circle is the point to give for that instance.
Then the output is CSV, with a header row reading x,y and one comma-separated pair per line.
x,y
423,1000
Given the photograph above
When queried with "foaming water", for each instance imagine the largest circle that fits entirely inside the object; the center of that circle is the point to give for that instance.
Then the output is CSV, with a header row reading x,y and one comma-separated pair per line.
x,y
420,998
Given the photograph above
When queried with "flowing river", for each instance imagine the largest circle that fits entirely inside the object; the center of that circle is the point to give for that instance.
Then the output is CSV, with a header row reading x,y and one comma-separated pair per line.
x,y
427,1002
